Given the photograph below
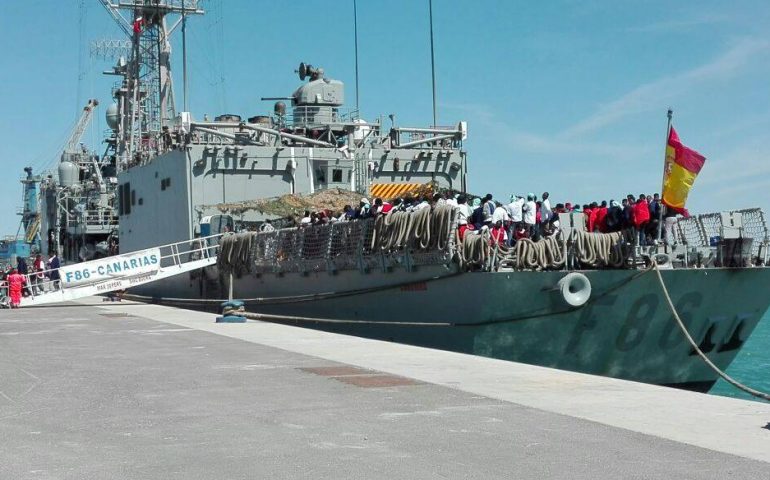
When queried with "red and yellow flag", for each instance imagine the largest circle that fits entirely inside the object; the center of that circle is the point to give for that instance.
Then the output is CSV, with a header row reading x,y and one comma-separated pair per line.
x,y
682,166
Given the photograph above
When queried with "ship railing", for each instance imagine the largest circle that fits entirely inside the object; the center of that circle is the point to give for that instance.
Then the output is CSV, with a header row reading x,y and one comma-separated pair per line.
x,y
100,218
335,247
432,138
313,116
705,230
185,256
93,218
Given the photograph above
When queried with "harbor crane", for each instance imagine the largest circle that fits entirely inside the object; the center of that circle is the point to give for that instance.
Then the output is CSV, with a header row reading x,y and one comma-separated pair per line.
x,y
71,147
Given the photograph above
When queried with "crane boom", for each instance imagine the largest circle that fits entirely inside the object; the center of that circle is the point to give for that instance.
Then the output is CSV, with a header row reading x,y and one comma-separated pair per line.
x,y
80,127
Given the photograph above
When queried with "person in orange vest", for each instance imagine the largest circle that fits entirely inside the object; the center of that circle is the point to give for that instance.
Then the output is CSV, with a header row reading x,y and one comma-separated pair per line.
x,y
16,283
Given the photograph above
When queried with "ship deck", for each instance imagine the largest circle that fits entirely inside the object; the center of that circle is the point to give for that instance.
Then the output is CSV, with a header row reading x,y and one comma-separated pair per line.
x,y
133,391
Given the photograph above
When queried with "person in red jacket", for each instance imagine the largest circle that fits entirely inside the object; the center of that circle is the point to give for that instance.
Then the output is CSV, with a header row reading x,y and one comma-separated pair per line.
x,y
601,217
588,211
641,218
498,235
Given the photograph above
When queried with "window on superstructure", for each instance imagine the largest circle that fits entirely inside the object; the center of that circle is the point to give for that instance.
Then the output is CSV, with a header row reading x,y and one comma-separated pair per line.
x,y
127,194
337,175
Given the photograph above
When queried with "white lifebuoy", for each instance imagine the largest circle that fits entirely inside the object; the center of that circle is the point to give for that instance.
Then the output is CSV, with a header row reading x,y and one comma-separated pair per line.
x,y
575,289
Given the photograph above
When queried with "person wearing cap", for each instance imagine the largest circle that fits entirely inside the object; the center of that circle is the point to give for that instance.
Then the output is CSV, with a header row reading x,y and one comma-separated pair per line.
x,y
477,215
363,208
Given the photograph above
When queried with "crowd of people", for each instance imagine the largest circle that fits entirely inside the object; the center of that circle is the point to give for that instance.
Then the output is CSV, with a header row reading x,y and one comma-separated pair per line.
x,y
25,279
527,216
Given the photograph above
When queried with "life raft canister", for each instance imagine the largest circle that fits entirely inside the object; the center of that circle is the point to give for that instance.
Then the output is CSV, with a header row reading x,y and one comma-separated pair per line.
x,y
575,289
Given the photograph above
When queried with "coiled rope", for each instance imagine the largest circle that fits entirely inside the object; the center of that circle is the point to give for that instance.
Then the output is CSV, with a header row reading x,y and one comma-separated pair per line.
x,y
475,249
425,229
600,249
234,253
546,253
683,328
591,249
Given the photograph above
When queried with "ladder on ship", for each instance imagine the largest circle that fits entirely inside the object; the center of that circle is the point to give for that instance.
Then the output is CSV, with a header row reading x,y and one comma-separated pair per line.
x,y
119,272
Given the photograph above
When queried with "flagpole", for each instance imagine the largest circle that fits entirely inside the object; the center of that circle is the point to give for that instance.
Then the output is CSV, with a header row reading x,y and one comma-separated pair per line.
x,y
432,63
670,114
355,35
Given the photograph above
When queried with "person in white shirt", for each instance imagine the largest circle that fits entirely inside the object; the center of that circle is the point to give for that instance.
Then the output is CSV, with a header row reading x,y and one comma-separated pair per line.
x,y
500,214
464,213
451,200
423,204
305,219
515,211
530,214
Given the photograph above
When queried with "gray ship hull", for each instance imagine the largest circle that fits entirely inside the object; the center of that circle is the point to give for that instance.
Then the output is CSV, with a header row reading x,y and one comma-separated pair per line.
x,y
626,330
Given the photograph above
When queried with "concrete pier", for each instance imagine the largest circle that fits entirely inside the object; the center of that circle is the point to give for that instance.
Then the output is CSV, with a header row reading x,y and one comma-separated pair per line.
x,y
130,391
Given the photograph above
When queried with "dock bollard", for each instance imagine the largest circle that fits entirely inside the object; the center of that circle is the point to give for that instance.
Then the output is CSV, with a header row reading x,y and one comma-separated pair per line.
x,y
230,310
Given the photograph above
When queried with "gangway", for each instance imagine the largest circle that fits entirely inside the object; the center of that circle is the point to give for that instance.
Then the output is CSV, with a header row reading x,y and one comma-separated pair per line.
x,y
119,272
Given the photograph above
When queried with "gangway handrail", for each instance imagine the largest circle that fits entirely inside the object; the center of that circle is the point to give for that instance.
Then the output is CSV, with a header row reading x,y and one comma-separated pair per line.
x,y
52,291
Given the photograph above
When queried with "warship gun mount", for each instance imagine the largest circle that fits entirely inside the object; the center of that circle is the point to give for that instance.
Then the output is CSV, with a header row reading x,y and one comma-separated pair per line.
x,y
318,102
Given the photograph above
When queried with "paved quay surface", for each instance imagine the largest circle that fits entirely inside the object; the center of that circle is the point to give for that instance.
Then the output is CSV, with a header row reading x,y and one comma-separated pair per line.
x,y
132,391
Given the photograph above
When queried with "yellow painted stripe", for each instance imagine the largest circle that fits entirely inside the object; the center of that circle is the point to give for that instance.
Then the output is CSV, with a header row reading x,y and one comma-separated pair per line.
x,y
390,190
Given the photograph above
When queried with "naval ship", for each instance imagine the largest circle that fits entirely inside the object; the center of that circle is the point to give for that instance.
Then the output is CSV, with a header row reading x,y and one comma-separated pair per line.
x,y
166,175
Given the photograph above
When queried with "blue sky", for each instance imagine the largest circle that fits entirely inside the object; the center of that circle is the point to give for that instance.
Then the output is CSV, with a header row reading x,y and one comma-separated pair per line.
x,y
565,96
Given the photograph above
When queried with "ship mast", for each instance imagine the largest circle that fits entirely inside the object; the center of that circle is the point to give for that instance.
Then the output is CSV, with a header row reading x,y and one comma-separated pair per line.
x,y
145,97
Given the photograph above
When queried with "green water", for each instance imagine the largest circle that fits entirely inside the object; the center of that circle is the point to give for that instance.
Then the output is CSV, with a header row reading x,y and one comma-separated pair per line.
x,y
752,365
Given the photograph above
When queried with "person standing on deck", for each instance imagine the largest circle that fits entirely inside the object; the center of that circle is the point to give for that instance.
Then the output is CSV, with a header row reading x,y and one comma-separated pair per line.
x,y
546,212
38,280
515,211
530,214
642,218
669,217
463,215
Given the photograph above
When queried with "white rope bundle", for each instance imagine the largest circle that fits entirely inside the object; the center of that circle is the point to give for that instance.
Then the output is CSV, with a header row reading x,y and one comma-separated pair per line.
x,y
475,248
425,229
599,249
546,253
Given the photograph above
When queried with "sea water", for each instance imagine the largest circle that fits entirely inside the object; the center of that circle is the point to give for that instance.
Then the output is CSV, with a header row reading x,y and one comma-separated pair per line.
x,y
752,365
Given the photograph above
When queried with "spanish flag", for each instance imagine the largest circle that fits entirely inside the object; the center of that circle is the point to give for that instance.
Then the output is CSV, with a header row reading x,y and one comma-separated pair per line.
x,y
682,166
